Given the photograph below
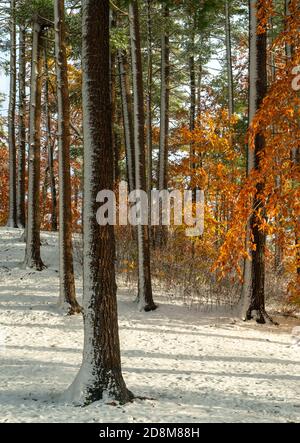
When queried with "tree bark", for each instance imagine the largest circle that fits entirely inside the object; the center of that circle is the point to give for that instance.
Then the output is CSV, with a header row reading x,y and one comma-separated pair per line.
x,y
162,233
145,297
149,141
33,242
21,212
253,296
100,375
229,60
12,217
66,268
126,98
50,148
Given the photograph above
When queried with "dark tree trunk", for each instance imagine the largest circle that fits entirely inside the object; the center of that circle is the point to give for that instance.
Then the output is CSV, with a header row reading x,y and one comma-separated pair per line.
x,y
145,297
229,59
254,285
33,242
100,375
193,99
12,217
113,79
127,118
21,212
50,148
66,267
149,142
162,232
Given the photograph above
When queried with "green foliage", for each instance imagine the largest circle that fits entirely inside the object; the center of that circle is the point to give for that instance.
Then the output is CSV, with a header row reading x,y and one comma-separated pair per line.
x,y
27,10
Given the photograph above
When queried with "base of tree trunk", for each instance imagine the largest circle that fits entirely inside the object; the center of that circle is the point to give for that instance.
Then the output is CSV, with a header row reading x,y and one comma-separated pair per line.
x,y
150,307
71,308
11,224
36,264
87,388
75,309
145,306
260,316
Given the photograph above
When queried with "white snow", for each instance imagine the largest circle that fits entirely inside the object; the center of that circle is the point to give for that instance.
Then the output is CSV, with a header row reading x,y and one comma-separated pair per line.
x,y
191,365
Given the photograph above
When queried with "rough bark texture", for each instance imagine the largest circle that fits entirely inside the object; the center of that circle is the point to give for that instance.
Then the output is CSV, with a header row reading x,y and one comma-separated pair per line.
x,y
162,232
229,59
127,118
50,148
253,296
66,269
192,68
33,249
21,216
149,141
145,297
100,375
12,216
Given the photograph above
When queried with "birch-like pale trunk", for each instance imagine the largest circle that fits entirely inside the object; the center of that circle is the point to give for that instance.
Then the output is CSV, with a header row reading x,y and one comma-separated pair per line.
x,y
100,375
12,216
145,297
50,147
33,242
229,59
67,294
21,212
126,98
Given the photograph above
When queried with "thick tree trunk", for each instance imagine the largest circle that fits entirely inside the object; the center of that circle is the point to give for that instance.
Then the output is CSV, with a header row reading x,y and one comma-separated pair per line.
x,y
66,269
162,232
253,296
100,375
145,297
12,216
50,148
229,59
33,249
127,118
21,212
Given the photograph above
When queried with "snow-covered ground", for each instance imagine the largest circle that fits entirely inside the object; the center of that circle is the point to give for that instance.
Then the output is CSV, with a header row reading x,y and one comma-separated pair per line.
x,y
193,366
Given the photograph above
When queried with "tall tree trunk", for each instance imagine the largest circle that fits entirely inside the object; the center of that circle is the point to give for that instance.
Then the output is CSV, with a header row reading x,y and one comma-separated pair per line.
x,y
145,297
253,297
12,217
113,80
21,212
100,374
289,49
50,148
149,141
164,120
229,59
66,268
199,89
127,118
33,248
193,99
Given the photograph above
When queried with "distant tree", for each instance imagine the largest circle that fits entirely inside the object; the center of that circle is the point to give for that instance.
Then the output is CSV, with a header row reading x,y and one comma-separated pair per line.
x,y
66,268
145,296
12,217
33,242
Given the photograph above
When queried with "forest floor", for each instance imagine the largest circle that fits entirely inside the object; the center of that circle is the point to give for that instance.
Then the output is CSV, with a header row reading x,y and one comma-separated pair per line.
x,y
194,365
